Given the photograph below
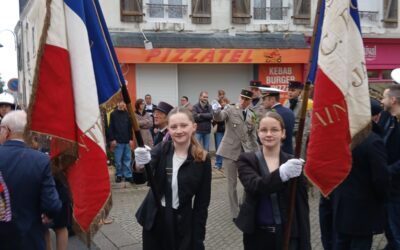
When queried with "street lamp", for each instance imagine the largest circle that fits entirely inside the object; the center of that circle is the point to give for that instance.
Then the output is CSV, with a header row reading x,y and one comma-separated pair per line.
x,y
14,36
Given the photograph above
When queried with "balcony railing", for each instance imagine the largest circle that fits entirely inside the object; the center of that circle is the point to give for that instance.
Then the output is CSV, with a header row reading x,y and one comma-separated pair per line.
x,y
371,16
270,13
166,10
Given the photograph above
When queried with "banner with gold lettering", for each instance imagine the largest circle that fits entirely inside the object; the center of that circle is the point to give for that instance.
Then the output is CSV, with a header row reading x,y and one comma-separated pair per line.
x,y
341,113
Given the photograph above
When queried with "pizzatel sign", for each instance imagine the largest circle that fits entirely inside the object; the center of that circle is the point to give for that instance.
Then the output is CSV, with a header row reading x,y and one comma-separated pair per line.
x,y
204,56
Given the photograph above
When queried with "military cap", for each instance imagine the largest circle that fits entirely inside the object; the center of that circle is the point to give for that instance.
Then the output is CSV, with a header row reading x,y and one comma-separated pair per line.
x,y
164,107
271,93
295,85
255,83
246,94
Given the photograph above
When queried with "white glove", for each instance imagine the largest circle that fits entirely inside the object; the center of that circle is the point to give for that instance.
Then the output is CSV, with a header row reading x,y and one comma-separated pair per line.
x,y
142,155
215,105
290,169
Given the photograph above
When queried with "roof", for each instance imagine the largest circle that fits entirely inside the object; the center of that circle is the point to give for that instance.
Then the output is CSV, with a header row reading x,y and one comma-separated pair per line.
x,y
210,40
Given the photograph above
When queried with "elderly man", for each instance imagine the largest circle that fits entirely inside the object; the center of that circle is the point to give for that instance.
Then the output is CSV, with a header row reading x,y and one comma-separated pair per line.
x,y
7,103
161,122
28,194
240,136
389,121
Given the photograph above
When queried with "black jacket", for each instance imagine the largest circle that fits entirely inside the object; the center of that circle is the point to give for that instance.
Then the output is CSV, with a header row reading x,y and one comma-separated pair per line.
x,y
392,144
358,202
194,180
256,185
203,117
120,127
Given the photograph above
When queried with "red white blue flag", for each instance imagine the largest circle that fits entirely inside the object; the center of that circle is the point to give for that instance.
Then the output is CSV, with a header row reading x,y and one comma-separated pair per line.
x,y
341,111
77,72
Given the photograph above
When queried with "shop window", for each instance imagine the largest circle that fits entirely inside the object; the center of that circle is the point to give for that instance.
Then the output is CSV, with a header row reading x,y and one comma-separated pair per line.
x,y
131,10
241,11
373,74
302,11
166,9
201,11
269,10
369,11
386,74
390,13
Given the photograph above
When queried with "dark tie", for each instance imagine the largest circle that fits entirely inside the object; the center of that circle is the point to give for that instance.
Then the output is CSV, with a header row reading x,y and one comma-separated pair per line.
x,y
244,114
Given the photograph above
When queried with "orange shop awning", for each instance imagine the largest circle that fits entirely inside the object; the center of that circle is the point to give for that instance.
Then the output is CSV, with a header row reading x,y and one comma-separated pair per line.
x,y
211,56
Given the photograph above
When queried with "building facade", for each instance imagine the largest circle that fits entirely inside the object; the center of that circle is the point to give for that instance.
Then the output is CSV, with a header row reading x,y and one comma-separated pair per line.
x,y
222,44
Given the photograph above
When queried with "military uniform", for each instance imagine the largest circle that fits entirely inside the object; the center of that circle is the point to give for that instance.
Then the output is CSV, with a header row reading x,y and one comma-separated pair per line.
x,y
240,136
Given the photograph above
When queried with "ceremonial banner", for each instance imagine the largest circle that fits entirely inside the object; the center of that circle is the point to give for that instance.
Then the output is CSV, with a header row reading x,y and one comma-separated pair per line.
x,y
341,113
76,72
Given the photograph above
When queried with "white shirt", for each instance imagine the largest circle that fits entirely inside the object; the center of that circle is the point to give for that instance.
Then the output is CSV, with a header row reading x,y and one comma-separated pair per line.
x,y
176,164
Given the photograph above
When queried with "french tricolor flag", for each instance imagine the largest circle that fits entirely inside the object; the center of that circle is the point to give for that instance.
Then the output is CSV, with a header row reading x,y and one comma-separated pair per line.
x,y
77,71
341,112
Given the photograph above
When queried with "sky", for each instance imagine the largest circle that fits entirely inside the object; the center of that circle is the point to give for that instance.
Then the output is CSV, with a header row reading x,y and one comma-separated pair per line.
x,y
9,15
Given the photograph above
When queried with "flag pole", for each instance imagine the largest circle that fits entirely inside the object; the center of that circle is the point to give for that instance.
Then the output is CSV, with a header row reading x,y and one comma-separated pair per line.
x,y
299,136
140,143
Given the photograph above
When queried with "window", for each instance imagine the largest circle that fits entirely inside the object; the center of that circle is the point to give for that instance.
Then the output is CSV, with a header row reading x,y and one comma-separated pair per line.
x,y
174,9
201,11
301,11
131,10
241,11
390,16
269,10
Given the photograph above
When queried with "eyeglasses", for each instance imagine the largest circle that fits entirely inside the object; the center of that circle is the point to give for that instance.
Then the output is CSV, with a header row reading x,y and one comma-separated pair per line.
x,y
5,127
273,131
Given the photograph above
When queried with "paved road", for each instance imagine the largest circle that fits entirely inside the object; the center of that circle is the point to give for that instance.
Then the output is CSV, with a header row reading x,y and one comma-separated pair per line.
x,y
221,234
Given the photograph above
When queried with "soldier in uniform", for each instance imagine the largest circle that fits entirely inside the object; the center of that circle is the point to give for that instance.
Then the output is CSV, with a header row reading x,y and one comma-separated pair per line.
x,y
240,136
256,102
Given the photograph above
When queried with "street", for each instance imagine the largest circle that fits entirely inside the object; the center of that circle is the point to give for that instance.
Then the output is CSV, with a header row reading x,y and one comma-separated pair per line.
x,y
125,232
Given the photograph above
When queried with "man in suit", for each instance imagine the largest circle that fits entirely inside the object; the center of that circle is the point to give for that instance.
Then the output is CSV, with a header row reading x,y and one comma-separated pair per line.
x,y
389,122
161,122
28,194
150,107
240,136
271,102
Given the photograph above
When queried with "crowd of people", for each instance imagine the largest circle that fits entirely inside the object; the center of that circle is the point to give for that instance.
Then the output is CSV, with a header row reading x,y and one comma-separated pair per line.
x,y
254,144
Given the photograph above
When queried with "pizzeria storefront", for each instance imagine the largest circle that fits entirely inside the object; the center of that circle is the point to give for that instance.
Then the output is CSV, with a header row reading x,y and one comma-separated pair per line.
x,y
194,64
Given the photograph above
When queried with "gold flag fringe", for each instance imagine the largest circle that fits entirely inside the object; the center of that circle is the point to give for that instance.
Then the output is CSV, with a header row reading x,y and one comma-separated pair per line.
x,y
87,237
110,104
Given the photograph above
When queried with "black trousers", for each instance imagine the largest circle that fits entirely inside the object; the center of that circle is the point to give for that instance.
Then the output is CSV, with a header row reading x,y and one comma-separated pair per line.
x,y
264,239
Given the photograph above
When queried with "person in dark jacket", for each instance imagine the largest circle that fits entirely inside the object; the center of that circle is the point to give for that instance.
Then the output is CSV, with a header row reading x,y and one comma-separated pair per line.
x,y
161,122
121,137
182,172
28,196
264,175
358,203
389,121
203,115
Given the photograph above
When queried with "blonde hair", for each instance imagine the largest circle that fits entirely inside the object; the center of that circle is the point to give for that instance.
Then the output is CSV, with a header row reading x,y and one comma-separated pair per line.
x,y
197,151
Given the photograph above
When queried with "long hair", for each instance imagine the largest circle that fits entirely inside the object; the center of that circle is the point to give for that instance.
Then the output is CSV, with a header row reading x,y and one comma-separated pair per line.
x,y
137,105
197,151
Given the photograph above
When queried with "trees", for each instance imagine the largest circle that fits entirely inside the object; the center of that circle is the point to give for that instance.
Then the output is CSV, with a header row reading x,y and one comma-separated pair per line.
x,y
2,85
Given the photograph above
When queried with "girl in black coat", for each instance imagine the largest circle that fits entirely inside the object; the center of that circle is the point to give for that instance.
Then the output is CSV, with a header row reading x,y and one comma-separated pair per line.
x,y
264,175
182,172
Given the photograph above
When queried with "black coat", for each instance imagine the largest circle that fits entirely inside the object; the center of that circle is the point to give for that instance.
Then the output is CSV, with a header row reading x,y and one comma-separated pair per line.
x,y
392,144
256,185
358,203
203,117
120,127
194,180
